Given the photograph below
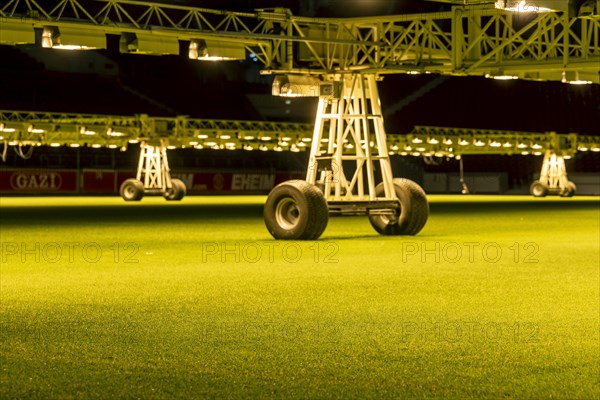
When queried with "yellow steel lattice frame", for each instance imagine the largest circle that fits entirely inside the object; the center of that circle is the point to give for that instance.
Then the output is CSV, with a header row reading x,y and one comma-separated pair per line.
x,y
39,128
469,40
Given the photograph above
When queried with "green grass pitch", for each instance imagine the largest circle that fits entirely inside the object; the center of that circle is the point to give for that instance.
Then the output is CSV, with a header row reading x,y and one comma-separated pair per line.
x,y
497,297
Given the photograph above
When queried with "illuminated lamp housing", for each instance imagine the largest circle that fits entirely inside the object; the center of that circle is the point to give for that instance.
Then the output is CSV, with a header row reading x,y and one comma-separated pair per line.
x,y
533,6
216,50
71,38
303,86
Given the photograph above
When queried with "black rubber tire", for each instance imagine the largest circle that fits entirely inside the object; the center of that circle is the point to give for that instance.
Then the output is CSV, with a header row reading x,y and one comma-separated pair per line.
x,y
538,189
296,210
414,210
570,190
177,190
320,185
132,190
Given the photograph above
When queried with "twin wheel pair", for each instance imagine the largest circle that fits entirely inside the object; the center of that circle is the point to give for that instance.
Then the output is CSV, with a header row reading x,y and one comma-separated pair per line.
x,y
133,190
541,189
298,210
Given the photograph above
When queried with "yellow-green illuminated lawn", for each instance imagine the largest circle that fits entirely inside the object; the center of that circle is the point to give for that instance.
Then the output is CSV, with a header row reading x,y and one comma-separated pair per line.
x,y
498,297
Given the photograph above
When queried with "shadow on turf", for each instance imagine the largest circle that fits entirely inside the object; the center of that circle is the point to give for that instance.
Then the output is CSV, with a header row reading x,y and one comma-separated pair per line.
x,y
126,214
516,206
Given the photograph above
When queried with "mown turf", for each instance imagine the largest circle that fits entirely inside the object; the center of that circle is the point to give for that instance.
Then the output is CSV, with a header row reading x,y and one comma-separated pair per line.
x,y
496,298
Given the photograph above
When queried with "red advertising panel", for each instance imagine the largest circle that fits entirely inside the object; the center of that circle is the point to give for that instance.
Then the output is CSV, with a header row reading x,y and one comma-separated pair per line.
x,y
99,181
89,181
232,182
211,182
44,181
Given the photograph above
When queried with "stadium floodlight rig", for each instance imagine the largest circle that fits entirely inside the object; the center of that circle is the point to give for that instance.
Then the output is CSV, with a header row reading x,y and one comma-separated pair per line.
x,y
553,177
438,142
474,38
153,176
29,129
348,130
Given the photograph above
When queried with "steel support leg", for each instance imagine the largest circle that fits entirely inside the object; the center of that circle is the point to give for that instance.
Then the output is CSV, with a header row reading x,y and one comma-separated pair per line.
x,y
153,176
153,169
349,135
553,177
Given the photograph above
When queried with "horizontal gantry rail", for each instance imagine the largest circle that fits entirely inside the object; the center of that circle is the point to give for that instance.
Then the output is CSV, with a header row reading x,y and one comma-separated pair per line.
x,y
468,40
27,128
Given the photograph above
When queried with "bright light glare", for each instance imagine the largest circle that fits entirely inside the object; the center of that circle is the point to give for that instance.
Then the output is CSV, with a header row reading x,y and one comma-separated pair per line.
x,y
114,133
214,58
70,47
522,7
580,82
505,77
289,93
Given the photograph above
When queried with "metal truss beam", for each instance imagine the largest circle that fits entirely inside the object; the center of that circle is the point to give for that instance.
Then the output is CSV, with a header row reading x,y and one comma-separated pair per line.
x,y
59,129
62,129
469,40
443,142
